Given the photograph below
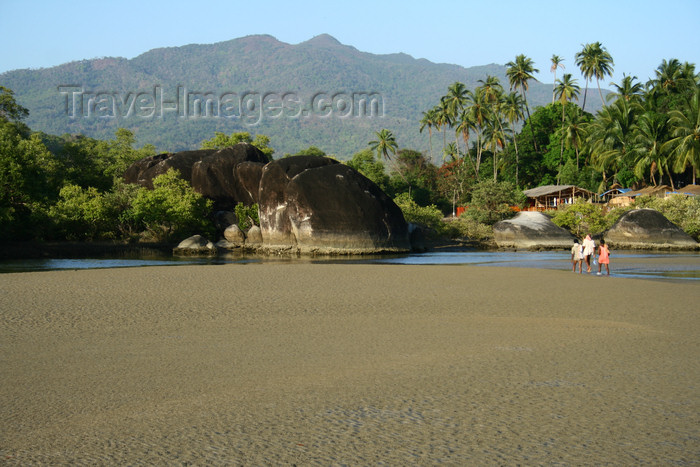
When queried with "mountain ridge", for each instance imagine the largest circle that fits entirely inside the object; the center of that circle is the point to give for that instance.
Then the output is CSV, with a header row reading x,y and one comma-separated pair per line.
x,y
249,67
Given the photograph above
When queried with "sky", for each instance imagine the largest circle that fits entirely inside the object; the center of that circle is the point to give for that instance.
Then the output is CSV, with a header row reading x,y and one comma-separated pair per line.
x,y
638,34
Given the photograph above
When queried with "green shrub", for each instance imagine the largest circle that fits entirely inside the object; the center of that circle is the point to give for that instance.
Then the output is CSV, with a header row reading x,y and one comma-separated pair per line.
x,y
429,216
582,218
80,213
172,209
118,203
491,202
466,226
247,216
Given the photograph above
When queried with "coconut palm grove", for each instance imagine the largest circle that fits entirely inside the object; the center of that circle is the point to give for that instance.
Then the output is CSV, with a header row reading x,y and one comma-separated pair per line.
x,y
487,144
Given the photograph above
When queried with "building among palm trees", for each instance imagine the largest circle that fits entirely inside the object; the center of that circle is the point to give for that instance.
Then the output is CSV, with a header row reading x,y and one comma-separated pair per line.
x,y
548,197
661,191
614,191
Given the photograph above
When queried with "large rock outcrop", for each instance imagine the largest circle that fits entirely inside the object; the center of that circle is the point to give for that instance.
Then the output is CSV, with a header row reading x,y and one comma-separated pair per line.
x,y
315,204
531,230
307,204
647,229
142,172
213,173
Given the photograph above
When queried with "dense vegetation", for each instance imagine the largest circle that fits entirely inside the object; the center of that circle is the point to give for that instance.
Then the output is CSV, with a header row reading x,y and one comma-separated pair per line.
x,y
491,143
644,134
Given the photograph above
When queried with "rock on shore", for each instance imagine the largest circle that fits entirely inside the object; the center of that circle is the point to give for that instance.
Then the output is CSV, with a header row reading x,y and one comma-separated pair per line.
x,y
307,204
531,230
648,229
227,176
316,204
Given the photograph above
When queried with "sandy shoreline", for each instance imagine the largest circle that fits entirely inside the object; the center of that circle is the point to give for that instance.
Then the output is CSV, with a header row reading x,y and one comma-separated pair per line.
x,y
347,364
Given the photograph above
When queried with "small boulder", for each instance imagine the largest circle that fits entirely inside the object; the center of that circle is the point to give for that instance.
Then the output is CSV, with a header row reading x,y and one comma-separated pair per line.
x,y
254,236
195,245
234,234
224,244
647,229
531,230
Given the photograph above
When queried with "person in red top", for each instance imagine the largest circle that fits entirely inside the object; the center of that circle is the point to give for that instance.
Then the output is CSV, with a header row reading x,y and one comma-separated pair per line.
x,y
603,257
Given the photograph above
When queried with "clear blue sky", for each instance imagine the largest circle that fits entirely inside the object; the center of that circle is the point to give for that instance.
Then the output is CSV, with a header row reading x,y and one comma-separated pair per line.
x,y
638,34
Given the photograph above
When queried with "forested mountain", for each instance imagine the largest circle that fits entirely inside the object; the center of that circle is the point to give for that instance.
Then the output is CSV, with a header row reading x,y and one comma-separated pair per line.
x,y
319,92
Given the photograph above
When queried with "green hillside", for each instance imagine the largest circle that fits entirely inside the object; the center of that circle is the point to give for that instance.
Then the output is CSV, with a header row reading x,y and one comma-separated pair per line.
x,y
319,92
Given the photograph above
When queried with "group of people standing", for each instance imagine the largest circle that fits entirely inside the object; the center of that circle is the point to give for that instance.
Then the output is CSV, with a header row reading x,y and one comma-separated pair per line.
x,y
582,253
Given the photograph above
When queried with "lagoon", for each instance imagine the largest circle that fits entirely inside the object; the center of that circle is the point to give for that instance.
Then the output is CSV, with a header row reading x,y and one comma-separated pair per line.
x,y
675,266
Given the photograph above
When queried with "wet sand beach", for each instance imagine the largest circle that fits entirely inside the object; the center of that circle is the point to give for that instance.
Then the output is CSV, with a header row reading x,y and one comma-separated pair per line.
x,y
332,364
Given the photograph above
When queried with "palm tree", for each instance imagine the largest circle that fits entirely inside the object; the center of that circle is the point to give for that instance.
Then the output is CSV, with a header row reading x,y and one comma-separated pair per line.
x,y
495,139
464,127
688,76
627,89
429,121
493,95
443,119
609,138
512,109
455,99
685,145
492,88
519,73
603,66
451,152
668,75
567,88
556,63
594,62
575,135
479,115
582,60
650,134
384,144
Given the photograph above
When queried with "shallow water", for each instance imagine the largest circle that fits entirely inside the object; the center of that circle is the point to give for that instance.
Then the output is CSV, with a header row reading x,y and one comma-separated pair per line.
x,y
646,265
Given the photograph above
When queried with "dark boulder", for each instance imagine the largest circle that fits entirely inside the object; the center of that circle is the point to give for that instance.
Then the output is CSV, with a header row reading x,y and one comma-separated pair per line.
x,y
143,172
212,172
318,205
223,219
215,177
647,228
531,230
135,172
275,223
248,175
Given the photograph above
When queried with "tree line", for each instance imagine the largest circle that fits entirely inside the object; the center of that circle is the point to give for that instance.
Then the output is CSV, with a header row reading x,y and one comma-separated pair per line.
x,y
645,133
492,145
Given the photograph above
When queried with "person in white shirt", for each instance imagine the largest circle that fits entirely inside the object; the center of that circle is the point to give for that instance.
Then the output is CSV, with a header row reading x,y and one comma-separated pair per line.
x,y
588,251
577,256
